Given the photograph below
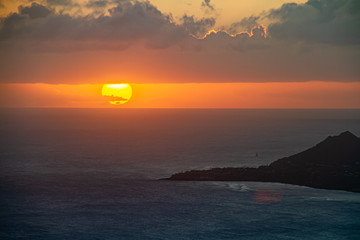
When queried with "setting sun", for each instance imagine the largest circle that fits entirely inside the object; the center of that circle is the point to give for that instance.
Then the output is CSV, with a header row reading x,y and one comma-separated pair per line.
x,y
117,93
146,119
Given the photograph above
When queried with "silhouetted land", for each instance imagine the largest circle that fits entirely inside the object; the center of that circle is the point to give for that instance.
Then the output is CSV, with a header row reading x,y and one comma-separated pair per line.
x,y
332,164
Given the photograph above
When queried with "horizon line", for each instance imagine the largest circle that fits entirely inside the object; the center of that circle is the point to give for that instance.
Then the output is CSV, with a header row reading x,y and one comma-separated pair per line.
x,y
205,108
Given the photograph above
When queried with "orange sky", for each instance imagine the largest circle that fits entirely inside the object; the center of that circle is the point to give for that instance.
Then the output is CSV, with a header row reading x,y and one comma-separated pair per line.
x,y
227,11
260,53
204,95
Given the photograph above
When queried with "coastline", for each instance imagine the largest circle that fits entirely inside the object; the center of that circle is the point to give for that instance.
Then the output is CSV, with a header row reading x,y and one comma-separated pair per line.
x,y
333,164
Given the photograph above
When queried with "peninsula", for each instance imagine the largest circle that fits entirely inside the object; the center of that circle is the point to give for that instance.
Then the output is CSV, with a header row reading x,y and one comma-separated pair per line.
x,y
332,164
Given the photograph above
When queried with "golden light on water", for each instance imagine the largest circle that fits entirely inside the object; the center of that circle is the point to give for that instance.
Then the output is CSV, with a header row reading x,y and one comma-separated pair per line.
x,y
117,93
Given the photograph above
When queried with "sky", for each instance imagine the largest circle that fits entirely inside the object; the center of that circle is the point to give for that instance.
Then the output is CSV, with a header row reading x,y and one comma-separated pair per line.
x,y
181,53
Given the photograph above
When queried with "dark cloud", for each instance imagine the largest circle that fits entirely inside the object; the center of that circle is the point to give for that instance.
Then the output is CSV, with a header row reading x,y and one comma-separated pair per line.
x,y
59,2
322,21
127,22
206,4
34,11
197,27
14,24
315,41
246,24
2,4
97,4
104,3
258,32
241,42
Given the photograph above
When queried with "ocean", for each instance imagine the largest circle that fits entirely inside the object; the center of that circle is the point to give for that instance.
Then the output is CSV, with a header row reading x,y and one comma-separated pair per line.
x,y
93,174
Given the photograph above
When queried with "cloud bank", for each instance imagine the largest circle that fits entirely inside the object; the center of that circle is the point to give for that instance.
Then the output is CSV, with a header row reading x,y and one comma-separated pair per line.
x,y
320,21
123,40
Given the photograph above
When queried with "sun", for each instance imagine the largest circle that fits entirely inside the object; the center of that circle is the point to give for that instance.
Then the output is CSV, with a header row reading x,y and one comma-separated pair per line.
x,y
117,93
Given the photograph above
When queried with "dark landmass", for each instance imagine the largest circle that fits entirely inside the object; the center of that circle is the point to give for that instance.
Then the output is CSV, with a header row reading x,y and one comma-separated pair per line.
x,y
332,164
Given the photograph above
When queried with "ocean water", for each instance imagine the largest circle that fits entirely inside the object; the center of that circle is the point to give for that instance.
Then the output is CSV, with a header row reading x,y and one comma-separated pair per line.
x,y
92,174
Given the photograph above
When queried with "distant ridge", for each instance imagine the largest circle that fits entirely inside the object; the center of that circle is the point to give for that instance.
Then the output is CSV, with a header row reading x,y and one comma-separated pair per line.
x,y
331,164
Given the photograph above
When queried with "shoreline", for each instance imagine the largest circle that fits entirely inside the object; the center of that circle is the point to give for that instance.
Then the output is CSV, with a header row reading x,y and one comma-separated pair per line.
x,y
333,164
